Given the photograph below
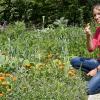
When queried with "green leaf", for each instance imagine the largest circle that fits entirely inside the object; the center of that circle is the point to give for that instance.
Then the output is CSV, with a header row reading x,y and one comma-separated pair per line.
x,y
26,62
2,59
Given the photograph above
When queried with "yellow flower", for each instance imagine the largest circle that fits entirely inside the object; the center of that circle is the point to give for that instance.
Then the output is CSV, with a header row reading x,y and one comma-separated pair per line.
x,y
8,75
61,66
4,83
8,87
39,66
50,55
71,72
57,61
2,74
28,66
9,90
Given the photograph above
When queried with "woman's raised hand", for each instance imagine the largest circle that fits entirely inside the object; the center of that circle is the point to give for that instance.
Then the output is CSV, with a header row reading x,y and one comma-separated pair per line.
x,y
87,29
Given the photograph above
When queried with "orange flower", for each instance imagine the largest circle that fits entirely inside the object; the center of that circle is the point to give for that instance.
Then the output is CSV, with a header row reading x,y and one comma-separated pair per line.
x,y
14,78
1,94
2,78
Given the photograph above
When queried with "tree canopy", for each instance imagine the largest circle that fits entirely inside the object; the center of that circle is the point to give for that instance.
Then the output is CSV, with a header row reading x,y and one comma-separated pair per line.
x,y
76,11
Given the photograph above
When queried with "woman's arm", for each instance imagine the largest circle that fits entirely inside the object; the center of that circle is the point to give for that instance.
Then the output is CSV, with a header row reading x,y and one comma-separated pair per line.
x,y
91,42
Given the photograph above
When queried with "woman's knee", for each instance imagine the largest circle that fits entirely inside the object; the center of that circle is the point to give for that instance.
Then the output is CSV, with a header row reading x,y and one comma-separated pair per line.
x,y
75,61
93,85
91,90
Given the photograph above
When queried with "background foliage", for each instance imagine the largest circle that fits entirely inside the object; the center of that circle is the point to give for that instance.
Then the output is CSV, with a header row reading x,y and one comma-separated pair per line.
x,y
76,11
35,64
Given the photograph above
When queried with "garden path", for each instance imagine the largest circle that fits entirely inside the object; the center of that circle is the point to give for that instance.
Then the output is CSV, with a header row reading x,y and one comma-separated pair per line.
x,y
94,97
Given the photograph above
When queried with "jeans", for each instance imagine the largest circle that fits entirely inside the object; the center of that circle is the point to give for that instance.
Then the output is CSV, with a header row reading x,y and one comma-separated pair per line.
x,y
86,65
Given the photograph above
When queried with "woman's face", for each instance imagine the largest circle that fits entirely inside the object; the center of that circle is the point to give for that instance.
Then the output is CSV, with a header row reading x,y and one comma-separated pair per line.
x,y
96,14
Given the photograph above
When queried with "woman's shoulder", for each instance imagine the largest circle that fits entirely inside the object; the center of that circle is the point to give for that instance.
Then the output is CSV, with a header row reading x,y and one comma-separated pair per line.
x,y
98,28
97,31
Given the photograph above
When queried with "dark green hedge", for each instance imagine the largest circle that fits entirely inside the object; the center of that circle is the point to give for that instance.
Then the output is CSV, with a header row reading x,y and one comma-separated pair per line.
x,y
76,11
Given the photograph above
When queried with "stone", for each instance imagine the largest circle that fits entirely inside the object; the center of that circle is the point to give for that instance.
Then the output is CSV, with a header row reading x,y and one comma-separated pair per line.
x,y
94,97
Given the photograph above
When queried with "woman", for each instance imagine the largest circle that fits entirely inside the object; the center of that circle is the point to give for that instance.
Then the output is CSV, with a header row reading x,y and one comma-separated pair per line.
x,y
89,65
